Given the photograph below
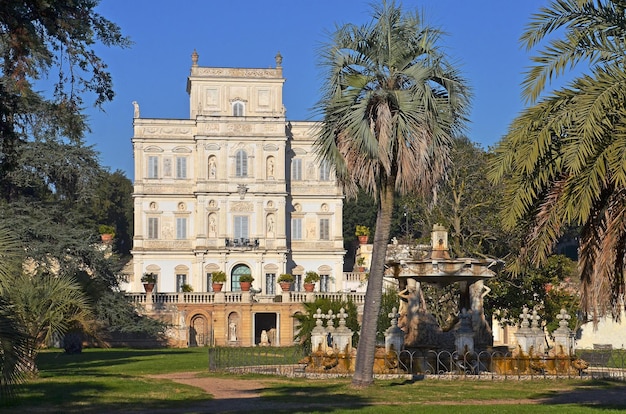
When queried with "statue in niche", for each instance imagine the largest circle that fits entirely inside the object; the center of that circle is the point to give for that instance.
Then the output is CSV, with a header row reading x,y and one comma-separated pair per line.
x,y
212,167
136,110
265,340
167,167
212,203
212,225
270,224
232,331
270,167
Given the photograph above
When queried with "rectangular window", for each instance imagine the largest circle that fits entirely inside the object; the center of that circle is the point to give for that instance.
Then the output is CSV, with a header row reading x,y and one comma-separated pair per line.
x,y
180,281
270,283
296,169
181,228
325,171
181,167
297,283
324,283
241,228
209,282
324,229
296,229
241,164
153,228
153,167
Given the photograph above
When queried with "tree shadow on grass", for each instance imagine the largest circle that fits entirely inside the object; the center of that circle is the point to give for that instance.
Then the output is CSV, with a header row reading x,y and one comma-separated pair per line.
x,y
83,396
61,363
596,393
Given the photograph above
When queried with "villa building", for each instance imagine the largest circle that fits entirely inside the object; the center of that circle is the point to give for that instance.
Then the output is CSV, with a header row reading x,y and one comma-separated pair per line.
x,y
235,188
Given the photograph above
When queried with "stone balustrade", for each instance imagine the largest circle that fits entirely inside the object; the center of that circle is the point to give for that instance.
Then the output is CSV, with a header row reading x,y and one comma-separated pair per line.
x,y
239,297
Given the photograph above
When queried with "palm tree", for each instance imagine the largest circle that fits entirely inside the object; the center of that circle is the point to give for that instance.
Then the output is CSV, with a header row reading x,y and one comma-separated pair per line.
x,y
563,161
390,107
49,306
13,338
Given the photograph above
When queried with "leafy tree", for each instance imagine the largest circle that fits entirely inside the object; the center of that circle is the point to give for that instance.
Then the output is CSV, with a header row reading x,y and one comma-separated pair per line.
x,y
391,104
562,161
112,205
465,203
307,321
388,301
37,38
116,314
548,289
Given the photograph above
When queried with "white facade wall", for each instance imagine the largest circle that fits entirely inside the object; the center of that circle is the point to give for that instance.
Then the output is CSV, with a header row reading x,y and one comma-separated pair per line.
x,y
236,167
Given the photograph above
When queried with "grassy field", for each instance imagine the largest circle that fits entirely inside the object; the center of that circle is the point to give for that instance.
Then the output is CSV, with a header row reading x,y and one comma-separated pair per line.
x,y
117,380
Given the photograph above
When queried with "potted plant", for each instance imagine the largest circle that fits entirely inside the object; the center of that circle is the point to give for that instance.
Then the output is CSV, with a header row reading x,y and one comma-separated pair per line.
x,y
311,277
285,280
218,279
107,233
245,281
149,280
360,263
363,233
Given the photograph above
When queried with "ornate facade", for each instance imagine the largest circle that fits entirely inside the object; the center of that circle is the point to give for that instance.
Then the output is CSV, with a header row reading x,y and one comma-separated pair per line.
x,y
234,188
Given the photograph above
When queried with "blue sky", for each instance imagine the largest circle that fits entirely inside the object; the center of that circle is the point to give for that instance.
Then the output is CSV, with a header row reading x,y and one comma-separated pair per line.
x,y
483,39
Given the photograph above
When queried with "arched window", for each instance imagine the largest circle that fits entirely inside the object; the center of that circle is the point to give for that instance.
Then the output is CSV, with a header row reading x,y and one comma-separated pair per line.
x,y
234,280
241,164
237,109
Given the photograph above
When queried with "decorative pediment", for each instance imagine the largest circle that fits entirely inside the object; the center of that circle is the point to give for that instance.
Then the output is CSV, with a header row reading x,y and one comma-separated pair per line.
x,y
211,268
153,148
270,268
324,269
299,151
181,150
212,147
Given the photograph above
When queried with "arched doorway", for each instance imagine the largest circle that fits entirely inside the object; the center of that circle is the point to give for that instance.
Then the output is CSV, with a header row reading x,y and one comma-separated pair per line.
x,y
199,333
234,276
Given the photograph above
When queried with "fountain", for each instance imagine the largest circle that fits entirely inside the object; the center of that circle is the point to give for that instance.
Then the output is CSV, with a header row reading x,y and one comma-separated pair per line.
x,y
433,264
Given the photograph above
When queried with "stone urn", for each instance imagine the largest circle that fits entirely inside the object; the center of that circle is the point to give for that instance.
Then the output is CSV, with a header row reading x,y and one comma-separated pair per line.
x,y
309,287
149,287
217,287
245,286
285,286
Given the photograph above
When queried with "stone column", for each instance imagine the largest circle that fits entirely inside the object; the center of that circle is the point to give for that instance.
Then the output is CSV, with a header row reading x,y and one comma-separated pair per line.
x,y
563,335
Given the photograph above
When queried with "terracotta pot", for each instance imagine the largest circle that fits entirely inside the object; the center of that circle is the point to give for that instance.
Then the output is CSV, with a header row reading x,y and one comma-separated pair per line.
x,y
245,286
285,286
149,287
363,239
106,238
309,287
217,287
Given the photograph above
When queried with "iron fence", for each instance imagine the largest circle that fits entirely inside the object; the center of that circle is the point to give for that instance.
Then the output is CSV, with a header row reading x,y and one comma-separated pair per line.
x,y
596,364
223,358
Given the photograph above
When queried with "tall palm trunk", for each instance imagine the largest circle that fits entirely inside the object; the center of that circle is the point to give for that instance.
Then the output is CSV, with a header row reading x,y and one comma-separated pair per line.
x,y
364,369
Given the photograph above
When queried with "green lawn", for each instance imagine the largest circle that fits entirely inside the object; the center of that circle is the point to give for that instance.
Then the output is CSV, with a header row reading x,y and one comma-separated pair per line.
x,y
116,380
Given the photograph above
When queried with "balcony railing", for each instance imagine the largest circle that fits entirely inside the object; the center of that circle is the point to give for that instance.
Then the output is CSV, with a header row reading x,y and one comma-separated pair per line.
x,y
242,244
